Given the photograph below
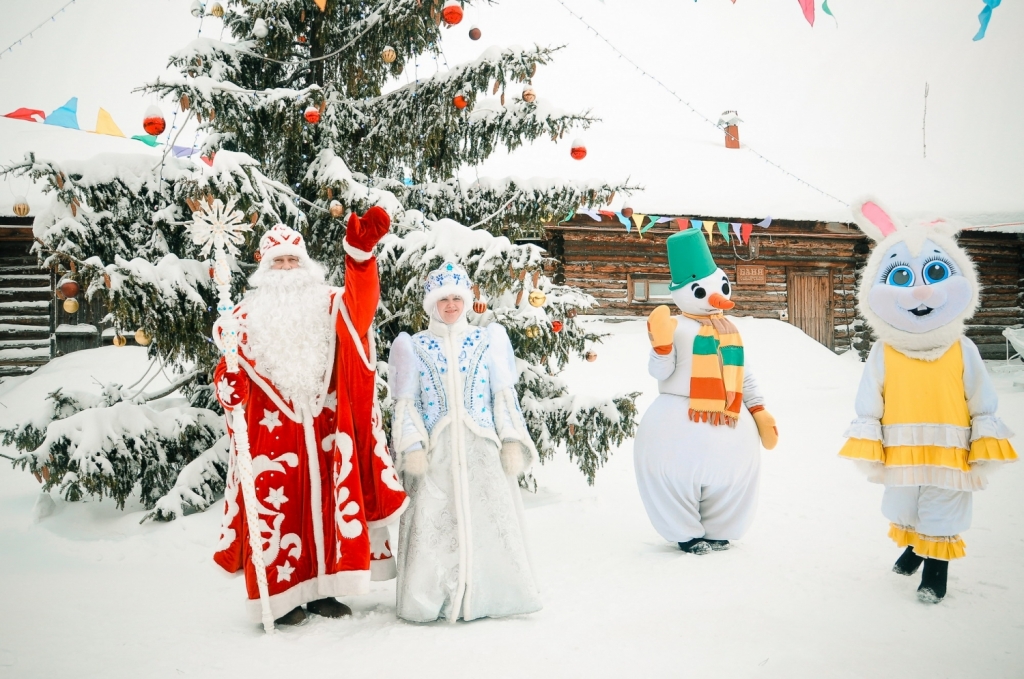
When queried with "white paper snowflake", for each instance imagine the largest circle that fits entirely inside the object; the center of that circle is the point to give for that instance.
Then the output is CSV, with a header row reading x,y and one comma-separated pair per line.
x,y
218,226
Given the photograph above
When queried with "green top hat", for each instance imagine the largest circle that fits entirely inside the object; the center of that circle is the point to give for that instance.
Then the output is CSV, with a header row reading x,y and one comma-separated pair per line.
x,y
689,258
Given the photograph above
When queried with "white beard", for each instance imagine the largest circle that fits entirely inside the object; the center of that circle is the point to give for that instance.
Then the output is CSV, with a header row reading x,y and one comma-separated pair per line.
x,y
288,328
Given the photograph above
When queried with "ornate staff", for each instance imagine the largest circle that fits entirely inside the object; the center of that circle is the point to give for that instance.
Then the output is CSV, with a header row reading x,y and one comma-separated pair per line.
x,y
221,229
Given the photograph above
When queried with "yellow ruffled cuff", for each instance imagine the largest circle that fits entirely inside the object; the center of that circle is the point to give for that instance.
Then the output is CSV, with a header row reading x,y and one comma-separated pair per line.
x,y
988,449
863,449
927,546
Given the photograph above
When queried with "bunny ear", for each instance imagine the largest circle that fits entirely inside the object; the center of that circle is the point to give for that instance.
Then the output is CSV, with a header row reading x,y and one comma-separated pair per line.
x,y
873,219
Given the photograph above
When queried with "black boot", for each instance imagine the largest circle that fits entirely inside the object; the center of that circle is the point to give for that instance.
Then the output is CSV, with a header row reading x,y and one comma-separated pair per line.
x,y
933,581
908,563
329,608
718,545
292,617
696,546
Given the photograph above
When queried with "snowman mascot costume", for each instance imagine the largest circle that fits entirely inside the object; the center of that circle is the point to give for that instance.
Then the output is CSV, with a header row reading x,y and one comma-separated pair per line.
x,y
697,450
926,426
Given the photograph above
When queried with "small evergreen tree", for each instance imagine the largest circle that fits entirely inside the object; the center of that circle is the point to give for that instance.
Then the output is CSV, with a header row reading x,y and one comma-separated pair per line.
x,y
305,121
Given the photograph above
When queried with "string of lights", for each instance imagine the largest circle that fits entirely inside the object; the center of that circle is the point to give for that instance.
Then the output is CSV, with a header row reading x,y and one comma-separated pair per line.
x,y
687,104
51,18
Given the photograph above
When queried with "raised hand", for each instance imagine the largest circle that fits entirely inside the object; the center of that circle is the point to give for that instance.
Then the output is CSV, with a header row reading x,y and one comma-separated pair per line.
x,y
365,232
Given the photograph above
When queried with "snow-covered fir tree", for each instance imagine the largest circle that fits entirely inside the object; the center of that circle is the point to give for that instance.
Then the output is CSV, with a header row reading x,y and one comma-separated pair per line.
x,y
306,118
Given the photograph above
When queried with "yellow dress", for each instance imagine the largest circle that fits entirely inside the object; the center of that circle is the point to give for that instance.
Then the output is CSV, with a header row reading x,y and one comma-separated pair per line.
x,y
926,426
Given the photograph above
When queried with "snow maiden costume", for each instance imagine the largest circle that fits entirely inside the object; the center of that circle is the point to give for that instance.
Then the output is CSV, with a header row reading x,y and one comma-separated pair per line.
x,y
324,477
697,450
926,425
461,442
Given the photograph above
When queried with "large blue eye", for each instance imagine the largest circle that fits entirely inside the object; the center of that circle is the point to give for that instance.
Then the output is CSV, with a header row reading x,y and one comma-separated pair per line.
x,y
935,271
901,277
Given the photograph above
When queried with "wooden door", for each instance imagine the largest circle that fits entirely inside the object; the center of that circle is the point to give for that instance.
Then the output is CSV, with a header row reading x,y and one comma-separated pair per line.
x,y
810,303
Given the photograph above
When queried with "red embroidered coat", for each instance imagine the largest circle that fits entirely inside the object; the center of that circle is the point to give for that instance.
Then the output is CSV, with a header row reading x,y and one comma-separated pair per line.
x,y
324,476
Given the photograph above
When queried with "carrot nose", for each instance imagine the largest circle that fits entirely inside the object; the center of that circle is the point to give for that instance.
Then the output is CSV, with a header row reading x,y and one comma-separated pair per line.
x,y
720,301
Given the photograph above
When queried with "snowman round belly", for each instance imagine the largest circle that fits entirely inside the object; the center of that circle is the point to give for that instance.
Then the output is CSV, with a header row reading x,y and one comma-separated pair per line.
x,y
686,470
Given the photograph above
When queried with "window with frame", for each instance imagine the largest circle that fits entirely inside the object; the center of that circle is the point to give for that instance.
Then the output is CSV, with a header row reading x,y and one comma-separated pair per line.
x,y
650,290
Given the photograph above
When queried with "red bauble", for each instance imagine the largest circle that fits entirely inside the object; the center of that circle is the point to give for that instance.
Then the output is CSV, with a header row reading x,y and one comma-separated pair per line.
x,y
154,122
69,288
452,12
627,211
460,102
556,326
579,150
312,115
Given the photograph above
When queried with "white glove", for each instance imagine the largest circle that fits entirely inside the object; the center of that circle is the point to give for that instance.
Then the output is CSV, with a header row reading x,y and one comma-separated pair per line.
x,y
414,462
512,458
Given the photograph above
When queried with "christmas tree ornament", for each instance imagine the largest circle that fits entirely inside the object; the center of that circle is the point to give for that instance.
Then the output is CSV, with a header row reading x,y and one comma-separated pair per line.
x,y
71,305
451,12
529,96
119,340
336,209
21,206
217,10
460,102
537,298
302,39
533,331
579,150
591,356
141,338
627,210
474,33
69,288
321,4
196,9
153,123
259,29
312,115
557,326
479,306
388,54
571,313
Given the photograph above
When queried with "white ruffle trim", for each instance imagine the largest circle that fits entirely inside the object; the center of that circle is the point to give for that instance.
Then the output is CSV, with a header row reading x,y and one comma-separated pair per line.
x,y
944,435
941,477
864,428
989,426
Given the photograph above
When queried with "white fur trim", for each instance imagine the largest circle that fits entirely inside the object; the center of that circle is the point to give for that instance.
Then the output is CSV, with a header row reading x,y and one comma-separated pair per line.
x,y
431,299
383,569
389,520
267,258
315,485
346,583
354,252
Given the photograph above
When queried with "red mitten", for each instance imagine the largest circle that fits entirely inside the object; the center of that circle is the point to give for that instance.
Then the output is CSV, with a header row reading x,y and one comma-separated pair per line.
x,y
364,232
232,388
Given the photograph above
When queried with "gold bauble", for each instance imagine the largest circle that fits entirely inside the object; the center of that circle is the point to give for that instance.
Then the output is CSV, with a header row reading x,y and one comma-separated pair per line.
x,y
537,298
533,331
529,96
21,206
337,209
120,340
389,55
141,338
71,305
217,10
591,356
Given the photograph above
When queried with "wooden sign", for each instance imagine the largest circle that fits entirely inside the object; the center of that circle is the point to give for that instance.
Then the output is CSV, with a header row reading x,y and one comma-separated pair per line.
x,y
750,274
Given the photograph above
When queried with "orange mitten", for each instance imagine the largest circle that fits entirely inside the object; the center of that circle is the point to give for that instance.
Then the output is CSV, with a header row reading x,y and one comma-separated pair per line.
x,y
660,328
765,427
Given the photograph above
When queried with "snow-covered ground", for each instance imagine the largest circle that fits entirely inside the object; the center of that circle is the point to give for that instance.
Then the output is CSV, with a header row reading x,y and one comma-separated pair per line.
x,y
90,592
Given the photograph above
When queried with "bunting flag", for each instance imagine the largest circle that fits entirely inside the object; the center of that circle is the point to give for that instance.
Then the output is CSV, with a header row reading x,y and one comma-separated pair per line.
x,y
654,220
808,9
766,222
33,115
625,221
709,227
183,151
592,213
65,116
723,228
638,219
696,224
746,228
736,230
985,17
105,124
683,224
569,216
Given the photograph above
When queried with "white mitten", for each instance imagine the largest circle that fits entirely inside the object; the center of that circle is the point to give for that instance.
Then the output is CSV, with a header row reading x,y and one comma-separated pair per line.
x,y
512,458
414,462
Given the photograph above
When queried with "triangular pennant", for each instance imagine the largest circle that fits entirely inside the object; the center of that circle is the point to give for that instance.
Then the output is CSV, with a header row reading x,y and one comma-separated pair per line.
x,y
638,219
696,224
723,228
105,124
766,222
625,221
147,139
736,230
321,4
654,220
65,116
709,227
33,115
746,228
569,216
593,214
209,161
683,224
808,8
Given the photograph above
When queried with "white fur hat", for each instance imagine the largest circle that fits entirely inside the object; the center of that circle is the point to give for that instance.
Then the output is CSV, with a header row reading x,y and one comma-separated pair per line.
x,y
450,279
279,241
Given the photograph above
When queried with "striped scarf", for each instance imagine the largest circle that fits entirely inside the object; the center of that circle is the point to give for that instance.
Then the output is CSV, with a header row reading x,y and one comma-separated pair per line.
x,y
716,378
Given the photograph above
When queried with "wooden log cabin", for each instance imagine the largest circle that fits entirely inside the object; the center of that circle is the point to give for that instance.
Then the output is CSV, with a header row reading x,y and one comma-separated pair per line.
x,y
803,272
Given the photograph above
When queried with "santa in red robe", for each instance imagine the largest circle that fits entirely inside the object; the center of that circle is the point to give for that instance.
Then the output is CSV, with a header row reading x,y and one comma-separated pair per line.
x,y
325,482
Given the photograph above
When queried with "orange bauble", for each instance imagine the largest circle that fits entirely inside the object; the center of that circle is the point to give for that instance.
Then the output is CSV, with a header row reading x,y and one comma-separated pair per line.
x,y
154,122
579,150
69,288
479,307
591,356
460,102
556,326
452,12
312,115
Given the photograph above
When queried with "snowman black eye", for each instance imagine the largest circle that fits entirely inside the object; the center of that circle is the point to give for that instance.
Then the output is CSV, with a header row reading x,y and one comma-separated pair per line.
x,y
699,292
725,288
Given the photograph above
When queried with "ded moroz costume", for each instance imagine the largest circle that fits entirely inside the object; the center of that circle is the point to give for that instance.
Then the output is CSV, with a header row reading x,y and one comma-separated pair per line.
x,y
324,478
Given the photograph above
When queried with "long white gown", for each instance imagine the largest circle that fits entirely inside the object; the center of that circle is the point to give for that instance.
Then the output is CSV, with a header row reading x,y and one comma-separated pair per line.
x,y
461,546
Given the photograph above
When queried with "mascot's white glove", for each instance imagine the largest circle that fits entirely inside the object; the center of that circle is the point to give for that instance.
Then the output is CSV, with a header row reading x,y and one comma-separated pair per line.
x,y
414,462
512,458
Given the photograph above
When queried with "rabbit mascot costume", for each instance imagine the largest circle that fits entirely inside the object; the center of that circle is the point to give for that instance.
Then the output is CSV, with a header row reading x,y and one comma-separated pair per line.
x,y
926,423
